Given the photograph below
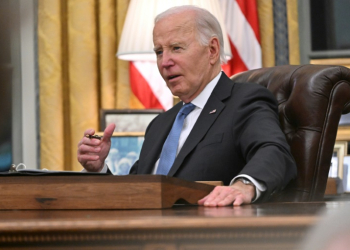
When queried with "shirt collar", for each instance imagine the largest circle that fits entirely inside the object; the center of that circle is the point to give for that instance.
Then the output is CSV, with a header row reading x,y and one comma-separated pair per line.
x,y
203,97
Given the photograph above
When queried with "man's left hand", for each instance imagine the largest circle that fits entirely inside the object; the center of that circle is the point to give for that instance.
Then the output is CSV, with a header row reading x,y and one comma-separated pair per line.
x,y
236,195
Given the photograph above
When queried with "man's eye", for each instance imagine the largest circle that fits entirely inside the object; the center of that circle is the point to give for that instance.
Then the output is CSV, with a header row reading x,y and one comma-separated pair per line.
x,y
158,52
177,48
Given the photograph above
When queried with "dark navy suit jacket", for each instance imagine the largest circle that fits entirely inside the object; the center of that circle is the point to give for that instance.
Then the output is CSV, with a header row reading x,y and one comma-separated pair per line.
x,y
243,136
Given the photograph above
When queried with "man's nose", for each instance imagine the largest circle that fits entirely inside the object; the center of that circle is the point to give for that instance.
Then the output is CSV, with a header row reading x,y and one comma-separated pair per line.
x,y
167,60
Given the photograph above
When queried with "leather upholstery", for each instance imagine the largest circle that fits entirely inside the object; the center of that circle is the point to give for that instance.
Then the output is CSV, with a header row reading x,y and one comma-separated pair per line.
x,y
311,99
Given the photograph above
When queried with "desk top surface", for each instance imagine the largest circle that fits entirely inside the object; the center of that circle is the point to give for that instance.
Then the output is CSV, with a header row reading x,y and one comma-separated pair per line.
x,y
180,216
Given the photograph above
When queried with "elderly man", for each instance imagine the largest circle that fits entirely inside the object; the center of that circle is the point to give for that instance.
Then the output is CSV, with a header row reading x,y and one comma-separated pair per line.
x,y
221,131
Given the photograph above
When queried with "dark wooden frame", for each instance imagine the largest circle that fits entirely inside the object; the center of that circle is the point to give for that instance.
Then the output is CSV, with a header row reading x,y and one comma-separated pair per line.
x,y
105,112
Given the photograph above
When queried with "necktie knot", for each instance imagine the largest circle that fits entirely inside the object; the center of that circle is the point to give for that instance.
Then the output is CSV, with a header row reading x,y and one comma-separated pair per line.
x,y
187,108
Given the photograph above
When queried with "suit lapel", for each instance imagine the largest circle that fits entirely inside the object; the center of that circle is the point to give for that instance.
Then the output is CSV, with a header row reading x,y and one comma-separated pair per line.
x,y
222,91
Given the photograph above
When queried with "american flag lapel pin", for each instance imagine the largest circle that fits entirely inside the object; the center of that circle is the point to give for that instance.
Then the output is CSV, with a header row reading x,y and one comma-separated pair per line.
x,y
212,112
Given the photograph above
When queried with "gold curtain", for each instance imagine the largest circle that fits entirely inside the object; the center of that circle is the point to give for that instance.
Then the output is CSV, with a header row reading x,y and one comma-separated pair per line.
x,y
266,26
78,73
265,13
293,32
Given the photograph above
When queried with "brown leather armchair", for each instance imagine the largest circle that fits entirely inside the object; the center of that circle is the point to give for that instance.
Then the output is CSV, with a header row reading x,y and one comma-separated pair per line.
x,y
311,99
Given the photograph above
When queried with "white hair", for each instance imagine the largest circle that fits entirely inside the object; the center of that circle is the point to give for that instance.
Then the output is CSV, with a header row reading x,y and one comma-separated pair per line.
x,y
206,23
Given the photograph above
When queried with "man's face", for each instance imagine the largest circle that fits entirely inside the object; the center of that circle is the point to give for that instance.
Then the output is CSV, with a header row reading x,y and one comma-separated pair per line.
x,y
183,63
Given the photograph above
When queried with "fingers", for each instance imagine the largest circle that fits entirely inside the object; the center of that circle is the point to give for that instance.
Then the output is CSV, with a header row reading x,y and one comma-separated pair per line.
x,y
108,132
220,196
87,149
93,152
89,131
88,141
228,195
84,159
89,152
238,201
210,196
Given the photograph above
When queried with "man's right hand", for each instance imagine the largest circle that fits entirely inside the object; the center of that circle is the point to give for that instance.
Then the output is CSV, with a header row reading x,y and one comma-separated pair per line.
x,y
93,152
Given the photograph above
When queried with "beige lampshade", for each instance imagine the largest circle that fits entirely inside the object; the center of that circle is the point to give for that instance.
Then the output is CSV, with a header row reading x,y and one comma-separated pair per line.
x,y
136,42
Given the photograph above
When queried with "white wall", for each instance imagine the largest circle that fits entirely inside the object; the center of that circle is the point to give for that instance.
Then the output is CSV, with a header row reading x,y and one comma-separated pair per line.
x,y
24,129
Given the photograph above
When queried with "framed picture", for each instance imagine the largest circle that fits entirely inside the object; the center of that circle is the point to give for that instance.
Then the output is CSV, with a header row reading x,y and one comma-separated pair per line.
x,y
339,152
334,169
128,120
125,150
346,179
344,130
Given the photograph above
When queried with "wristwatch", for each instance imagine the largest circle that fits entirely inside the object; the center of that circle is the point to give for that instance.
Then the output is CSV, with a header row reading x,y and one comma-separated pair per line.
x,y
245,181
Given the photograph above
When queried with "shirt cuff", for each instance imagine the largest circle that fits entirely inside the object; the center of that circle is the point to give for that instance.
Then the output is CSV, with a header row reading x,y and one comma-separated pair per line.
x,y
259,186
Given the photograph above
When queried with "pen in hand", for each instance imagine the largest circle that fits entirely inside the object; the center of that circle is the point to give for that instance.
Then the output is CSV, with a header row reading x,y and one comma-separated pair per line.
x,y
94,137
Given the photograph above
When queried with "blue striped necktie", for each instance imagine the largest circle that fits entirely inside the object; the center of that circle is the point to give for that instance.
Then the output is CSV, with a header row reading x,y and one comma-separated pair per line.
x,y
168,155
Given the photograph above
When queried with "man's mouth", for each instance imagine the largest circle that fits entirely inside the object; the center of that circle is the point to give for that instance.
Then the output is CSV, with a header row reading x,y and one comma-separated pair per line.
x,y
172,77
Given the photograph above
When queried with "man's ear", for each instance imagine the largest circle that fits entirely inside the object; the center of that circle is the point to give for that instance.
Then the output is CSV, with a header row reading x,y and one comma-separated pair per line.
x,y
214,48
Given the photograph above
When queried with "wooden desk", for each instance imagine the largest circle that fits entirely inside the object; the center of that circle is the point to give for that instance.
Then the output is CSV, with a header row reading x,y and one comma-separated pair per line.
x,y
262,226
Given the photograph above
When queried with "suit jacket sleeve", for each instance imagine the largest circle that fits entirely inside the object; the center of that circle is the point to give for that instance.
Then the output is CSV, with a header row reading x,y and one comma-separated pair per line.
x,y
263,144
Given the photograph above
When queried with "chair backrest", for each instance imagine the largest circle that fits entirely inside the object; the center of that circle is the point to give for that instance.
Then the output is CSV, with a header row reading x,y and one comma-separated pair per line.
x,y
311,99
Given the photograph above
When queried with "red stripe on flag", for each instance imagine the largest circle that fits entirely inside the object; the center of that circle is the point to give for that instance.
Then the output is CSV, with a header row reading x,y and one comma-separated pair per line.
x,y
250,11
142,90
235,65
